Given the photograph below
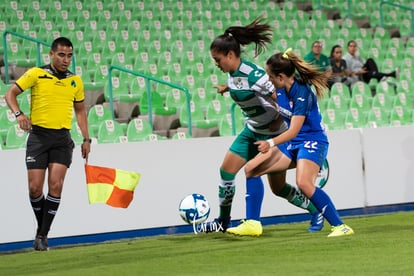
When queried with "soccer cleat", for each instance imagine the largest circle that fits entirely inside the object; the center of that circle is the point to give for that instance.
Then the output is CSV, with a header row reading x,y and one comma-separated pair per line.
x,y
341,230
216,225
316,223
248,227
40,243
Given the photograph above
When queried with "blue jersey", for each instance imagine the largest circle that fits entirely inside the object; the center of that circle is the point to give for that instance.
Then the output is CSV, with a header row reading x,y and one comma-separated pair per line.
x,y
301,100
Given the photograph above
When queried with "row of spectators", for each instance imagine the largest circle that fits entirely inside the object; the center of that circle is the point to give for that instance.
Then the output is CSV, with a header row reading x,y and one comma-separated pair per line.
x,y
348,68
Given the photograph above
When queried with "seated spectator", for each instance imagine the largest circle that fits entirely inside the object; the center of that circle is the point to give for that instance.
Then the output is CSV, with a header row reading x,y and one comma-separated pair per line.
x,y
361,70
340,72
317,58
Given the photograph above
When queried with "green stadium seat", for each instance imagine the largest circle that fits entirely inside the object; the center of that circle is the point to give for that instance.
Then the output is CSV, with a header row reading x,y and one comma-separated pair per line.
x,y
402,99
181,136
15,138
361,87
110,131
400,115
216,111
138,130
354,118
125,103
338,103
226,123
342,90
383,100
24,100
360,102
201,127
75,133
333,119
96,115
156,99
378,117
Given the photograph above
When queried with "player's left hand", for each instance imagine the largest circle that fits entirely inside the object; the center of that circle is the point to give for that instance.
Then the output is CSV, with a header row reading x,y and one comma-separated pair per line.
x,y
85,149
262,146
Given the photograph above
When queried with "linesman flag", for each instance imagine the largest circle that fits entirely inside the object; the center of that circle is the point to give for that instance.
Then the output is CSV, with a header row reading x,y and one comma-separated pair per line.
x,y
111,186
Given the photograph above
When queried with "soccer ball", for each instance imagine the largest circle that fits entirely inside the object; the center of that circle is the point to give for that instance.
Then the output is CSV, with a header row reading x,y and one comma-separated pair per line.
x,y
194,209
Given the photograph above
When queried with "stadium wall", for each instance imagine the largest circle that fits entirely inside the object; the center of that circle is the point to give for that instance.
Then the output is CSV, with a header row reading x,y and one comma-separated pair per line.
x,y
369,167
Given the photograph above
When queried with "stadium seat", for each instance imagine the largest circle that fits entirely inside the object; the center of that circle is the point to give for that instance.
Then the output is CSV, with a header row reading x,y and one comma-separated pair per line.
x,y
341,89
76,133
3,103
333,119
156,100
3,87
7,119
181,136
383,100
402,99
354,118
360,102
338,103
110,131
15,138
377,117
361,87
138,130
24,100
385,88
125,104
100,75
200,126
96,115
216,111
400,116
167,118
226,125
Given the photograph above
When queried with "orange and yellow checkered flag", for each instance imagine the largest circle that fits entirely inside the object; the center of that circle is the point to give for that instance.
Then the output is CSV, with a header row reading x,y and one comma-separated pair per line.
x,y
111,186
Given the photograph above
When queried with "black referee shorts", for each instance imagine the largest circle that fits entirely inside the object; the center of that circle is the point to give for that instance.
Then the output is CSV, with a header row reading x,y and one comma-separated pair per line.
x,y
46,146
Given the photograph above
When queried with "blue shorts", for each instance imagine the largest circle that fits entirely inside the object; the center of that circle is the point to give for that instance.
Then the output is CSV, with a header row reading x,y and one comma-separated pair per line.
x,y
311,150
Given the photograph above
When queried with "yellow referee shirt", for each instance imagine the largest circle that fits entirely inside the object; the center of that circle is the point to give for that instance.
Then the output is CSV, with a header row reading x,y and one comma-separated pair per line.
x,y
52,96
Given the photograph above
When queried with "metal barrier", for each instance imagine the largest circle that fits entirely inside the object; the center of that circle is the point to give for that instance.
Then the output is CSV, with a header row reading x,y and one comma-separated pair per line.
x,y
112,67
148,92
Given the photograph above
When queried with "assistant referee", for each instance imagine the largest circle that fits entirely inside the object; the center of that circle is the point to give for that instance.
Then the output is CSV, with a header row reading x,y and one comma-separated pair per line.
x,y
55,93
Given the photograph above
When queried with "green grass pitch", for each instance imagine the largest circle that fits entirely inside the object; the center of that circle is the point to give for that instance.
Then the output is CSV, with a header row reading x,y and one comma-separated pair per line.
x,y
382,245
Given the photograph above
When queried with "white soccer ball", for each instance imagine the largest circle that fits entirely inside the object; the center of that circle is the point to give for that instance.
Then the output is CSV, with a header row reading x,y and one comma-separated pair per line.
x,y
194,209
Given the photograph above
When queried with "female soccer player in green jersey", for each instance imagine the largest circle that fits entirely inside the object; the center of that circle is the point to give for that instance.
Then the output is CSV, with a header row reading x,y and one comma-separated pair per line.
x,y
250,88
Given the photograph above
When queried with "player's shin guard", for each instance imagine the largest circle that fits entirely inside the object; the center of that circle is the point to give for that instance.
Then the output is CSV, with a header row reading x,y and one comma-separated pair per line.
x,y
254,197
227,189
297,198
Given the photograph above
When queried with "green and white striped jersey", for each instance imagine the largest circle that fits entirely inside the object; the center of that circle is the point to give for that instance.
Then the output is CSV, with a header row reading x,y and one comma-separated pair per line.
x,y
251,89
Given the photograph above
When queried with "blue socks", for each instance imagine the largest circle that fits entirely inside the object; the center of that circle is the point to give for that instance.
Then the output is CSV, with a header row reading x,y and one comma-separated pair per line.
x,y
254,197
324,204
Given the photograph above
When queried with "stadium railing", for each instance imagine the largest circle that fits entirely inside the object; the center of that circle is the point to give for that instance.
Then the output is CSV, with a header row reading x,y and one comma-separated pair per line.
x,y
148,80
383,3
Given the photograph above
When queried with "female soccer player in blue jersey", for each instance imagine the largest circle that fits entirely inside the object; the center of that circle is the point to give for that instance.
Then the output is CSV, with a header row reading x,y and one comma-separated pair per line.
x,y
250,88
305,144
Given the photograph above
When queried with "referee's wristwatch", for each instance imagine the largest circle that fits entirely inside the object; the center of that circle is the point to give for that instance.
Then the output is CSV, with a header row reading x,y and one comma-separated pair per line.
x,y
18,113
89,140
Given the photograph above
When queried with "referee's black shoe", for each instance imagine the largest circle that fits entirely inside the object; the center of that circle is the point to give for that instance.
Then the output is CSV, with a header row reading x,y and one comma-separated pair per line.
x,y
40,243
